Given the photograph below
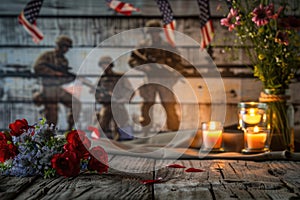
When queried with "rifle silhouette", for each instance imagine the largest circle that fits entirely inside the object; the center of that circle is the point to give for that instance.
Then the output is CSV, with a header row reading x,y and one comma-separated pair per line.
x,y
66,76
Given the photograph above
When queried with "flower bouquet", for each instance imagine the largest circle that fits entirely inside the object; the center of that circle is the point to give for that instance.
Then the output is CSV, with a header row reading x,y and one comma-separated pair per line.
x,y
38,151
274,53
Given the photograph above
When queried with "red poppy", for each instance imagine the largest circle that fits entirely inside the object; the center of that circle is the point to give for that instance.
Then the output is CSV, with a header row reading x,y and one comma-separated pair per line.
x,y
66,164
98,160
18,127
80,143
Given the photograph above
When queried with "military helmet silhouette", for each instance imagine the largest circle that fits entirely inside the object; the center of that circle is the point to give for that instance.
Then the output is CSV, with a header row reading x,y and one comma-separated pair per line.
x,y
64,40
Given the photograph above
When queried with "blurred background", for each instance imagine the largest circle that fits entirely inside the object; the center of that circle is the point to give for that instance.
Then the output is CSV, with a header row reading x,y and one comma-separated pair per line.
x,y
91,22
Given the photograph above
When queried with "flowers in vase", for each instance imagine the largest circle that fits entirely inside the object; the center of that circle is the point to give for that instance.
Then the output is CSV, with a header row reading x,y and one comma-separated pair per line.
x,y
273,36
37,150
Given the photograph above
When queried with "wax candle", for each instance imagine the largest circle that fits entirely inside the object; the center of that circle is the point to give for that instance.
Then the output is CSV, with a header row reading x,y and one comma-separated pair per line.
x,y
212,134
212,138
255,138
251,116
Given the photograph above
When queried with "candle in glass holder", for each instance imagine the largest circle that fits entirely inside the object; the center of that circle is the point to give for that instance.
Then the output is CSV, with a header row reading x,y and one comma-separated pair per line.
x,y
256,139
252,114
212,135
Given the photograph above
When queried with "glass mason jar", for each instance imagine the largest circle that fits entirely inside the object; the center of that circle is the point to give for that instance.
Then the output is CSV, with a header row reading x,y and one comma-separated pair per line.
x,y
252,114
280,118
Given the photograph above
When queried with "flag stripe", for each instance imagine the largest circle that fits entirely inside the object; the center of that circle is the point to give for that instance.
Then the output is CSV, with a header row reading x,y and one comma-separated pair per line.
x,y
36,34
207,33
169,22
27,19
206,25
169,32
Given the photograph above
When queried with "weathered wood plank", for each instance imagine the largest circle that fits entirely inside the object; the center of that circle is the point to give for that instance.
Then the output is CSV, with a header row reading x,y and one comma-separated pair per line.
x,y
123,181
87,186
288,174
180,184
221,179
10,187
225,179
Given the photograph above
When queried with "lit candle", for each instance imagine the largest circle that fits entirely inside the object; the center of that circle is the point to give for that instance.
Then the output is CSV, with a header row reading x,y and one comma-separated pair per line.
x,y
251,117
212,139
212,135
255,138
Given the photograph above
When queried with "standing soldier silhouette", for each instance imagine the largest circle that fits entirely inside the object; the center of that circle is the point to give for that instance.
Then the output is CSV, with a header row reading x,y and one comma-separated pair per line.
x,y
53,68
152,56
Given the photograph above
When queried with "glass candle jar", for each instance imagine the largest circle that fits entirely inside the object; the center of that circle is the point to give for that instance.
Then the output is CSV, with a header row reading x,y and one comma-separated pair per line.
x,y
212,136
257,139
252,114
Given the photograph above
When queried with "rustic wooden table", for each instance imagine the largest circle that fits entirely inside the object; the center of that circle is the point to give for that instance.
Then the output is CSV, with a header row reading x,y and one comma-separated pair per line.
x,y
221,179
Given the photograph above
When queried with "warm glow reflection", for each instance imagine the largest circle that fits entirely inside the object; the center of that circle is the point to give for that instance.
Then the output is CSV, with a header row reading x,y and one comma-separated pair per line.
x,y
256,129
252,117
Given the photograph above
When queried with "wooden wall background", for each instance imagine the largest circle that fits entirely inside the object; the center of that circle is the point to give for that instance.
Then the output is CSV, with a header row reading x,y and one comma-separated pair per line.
x,y
17,48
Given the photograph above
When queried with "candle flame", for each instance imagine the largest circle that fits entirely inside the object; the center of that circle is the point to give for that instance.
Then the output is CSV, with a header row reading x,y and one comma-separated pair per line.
x,y
256,129
252,111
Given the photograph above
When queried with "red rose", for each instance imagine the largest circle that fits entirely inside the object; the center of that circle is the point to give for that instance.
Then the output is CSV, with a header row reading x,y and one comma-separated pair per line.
x,y
80,142
98,160
66,164
18,127
7,150
2,136
69,147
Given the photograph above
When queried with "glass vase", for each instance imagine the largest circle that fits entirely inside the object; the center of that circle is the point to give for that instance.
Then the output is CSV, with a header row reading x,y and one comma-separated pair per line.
x,y
280,118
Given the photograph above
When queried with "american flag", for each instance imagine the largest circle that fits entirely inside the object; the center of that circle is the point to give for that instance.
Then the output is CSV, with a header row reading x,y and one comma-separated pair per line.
x,y
206,25
28,19
168,20
122,7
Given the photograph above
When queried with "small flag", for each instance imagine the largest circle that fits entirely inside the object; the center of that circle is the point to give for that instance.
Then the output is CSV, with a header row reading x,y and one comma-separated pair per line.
x,y
122,7
206,25
168,20
28,19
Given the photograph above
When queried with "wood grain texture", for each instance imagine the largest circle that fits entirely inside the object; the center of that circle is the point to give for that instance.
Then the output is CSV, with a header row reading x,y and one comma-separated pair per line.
x,y
225,179
221,179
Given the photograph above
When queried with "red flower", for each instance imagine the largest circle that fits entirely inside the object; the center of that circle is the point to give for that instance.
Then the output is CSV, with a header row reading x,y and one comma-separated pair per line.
x,y
98,160
69,147
7,151
7,148
18,127
66,164
80,142
4,137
